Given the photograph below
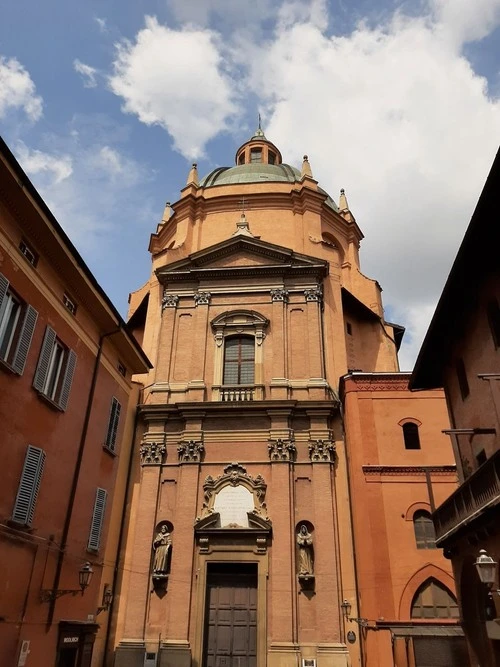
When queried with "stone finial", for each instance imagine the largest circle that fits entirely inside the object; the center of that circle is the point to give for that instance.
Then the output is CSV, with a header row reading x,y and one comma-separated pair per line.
x,y
192,178
242,226
167,213
306,168
344,209
343,205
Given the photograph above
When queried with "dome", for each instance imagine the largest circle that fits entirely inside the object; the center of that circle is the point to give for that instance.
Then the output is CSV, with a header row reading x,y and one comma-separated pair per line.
x,y
251,173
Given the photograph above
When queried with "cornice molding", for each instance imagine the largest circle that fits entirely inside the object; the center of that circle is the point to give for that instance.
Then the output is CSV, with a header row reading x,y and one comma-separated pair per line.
x,y
409,470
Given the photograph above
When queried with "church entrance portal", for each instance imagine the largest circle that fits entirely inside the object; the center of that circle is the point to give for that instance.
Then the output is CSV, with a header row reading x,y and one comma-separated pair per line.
x,y
231,615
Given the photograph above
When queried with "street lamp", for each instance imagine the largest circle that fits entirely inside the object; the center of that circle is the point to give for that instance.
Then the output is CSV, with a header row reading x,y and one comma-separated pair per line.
x,y
84,578
486,569
107,598
346,610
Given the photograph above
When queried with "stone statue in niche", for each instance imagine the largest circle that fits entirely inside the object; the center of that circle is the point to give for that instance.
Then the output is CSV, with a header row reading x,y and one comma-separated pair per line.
x,y
306,553
162,546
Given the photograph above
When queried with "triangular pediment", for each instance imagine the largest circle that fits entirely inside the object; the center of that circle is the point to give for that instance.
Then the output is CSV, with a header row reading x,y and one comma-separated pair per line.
x,y
240,253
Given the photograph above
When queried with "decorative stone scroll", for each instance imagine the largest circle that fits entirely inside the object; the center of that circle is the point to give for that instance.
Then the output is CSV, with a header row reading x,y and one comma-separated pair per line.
x,y
169,300
152,453
234,475
322,451
202,298
279,294
282,450
314,294
190,451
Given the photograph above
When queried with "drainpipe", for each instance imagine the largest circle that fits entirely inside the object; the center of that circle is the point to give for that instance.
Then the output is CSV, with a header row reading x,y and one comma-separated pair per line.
x,y
76,476
346,451
120,540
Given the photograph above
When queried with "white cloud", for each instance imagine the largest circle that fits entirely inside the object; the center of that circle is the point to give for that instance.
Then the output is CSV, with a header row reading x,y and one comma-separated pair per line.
x,y
175,79
86,185
56,167
396,115
102,24
88,73
17,90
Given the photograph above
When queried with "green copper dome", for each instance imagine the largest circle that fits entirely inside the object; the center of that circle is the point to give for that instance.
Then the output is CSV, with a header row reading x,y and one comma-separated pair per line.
x,y
251,173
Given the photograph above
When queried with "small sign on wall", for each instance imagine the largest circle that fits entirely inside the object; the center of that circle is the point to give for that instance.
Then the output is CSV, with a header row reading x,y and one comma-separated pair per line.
x,y
23,654
308,662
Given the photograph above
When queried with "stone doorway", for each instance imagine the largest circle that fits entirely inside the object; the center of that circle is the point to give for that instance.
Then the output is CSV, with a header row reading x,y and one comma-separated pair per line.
x,y
230,626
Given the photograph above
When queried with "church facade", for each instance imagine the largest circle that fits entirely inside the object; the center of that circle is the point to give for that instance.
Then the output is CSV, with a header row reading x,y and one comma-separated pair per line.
x,y
240,549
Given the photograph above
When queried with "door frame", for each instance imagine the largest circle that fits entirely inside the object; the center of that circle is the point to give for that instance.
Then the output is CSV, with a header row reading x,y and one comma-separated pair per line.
x,y
238,554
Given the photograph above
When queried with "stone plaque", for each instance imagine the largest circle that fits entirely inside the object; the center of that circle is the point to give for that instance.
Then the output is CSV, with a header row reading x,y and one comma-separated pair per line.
x,y
233,503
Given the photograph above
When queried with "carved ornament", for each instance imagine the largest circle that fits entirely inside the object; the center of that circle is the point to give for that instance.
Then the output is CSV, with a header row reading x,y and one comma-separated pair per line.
x,y
314,294
322,450
202,298
190,451
279,294
169,300
282,450
234,474
152,453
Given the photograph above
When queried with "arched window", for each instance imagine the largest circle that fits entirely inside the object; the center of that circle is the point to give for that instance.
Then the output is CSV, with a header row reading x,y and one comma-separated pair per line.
x,y
239,360
433,600
425,535
410,435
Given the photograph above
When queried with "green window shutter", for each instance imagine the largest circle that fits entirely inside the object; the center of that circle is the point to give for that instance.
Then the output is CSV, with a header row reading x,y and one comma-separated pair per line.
x,y
44,359
24,342
68,379
27,493
114,419
97,520
4,286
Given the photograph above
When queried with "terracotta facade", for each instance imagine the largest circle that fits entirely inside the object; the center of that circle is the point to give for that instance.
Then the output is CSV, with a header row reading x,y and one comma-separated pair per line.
x,y
256,307
55,422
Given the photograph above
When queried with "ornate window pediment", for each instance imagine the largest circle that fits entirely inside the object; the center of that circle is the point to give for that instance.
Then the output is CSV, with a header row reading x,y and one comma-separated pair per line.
x,y
234,500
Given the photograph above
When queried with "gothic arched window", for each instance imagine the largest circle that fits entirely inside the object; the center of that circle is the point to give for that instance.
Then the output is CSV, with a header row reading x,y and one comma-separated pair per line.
x,y
433,600
425,535
239,360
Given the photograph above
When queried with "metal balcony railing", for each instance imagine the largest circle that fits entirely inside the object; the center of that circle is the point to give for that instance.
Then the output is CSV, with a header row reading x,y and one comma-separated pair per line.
x,y
479,491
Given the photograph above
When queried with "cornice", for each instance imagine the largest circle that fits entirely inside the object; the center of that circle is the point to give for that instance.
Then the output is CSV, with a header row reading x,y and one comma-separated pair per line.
x,y
409,470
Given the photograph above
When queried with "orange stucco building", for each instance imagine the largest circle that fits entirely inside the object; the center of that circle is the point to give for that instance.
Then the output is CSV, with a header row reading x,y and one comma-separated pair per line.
x,y
66,366
276,515
460,353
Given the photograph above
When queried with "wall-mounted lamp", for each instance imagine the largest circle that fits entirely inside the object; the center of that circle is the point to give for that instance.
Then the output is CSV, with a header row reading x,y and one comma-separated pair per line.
x,y
487,569
346,610
107,599
84,578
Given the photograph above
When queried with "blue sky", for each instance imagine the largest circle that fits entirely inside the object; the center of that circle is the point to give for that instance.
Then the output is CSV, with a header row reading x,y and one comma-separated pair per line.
x,y
106,104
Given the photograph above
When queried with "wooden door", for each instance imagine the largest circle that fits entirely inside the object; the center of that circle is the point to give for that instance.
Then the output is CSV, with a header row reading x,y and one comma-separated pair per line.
x,y
231,616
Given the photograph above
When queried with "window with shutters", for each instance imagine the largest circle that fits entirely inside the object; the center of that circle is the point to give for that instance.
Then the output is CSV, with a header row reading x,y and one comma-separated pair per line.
x,y
97,520
17,323
425,534
29,485
434,600
55,370
114,419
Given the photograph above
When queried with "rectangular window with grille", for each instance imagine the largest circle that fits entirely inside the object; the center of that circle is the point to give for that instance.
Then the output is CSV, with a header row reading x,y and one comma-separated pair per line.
x,y
239,361
17,324
114,419
97,520
55,370
29,485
